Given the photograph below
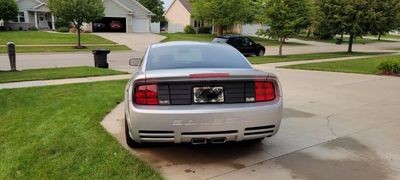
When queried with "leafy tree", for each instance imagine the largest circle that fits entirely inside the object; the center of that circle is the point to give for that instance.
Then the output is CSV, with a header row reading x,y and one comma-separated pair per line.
x,y
284,17
78,12
222,12
384,16
346,17
8,10
155,6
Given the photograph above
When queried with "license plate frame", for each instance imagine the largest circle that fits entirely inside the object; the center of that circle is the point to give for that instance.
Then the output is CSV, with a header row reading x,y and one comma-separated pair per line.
x,y
208,94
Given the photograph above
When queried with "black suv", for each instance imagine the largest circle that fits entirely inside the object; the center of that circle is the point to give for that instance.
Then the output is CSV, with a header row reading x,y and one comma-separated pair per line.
x,y
242,43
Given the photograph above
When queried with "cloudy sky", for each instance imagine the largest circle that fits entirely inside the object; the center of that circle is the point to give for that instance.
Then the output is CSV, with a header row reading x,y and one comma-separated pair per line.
x,y
166,3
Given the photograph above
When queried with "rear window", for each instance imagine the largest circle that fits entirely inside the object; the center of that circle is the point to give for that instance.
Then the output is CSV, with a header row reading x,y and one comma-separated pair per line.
x,y
220,40
195,56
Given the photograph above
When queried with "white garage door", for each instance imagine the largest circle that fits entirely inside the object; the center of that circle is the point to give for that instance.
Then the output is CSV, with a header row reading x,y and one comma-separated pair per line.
x,y
141,25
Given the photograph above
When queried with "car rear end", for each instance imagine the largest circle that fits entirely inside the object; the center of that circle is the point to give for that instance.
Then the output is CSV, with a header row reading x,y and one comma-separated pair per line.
x,y
203,105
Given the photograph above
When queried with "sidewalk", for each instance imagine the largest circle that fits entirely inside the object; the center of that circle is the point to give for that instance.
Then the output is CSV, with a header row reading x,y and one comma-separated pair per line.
x,y
25,84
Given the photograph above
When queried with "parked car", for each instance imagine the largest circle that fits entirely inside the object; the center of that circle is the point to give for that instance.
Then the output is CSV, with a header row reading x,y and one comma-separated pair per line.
x,y
98,26
242,43
192,92
115,25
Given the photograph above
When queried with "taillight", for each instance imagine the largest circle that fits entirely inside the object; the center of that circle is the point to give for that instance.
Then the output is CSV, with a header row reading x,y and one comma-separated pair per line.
x,y
265,91
146,95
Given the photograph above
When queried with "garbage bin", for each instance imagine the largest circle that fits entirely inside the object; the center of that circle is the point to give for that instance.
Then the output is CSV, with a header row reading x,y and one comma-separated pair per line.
x,y
339,41
100,58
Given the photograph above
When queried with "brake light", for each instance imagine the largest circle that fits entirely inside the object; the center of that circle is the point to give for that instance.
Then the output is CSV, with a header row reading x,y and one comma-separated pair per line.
x,y
146,95
265,91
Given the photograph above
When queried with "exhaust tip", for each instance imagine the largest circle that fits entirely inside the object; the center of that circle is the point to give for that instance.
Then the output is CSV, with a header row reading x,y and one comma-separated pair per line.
x,y
199,141
220,140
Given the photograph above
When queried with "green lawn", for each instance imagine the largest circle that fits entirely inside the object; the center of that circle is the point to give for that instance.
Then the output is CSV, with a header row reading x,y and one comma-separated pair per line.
x,y
345,40
299,57
361,66
388,36
41,49
55,73
210,37
40,38
54,132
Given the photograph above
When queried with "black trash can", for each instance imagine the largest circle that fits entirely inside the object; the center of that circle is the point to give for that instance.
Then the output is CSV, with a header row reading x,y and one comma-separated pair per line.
x,y
100,58
339,41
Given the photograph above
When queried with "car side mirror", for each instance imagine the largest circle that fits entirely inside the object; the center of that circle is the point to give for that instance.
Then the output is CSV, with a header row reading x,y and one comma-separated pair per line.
x,y
134,61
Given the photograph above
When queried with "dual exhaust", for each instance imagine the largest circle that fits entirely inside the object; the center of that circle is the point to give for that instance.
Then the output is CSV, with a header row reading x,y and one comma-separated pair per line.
x,y
200,141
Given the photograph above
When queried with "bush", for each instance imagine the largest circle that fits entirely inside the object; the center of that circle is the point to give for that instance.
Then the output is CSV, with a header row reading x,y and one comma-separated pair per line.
x,y
61,23
33,29
189,30
204,30
62,29
390,67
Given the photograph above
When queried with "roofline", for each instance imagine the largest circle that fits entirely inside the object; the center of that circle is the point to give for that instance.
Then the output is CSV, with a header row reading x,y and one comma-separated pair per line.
x,y
170,6
144,8
119,3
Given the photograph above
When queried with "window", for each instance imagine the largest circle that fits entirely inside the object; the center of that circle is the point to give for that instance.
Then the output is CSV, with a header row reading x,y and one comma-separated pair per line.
x,y
195,56
21,17
195,23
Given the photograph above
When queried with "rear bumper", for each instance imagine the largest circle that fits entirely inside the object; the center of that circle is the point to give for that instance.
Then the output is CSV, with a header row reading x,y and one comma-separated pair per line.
x,y
180,124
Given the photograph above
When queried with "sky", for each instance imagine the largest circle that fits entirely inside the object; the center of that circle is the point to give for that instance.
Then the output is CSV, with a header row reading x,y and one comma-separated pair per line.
x,y
166,3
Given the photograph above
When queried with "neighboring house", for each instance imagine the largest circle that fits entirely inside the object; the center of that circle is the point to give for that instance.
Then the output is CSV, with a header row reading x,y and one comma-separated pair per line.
x,y
120,16
179,15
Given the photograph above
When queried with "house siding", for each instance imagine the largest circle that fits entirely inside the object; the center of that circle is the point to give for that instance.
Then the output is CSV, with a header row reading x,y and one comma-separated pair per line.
x,y
178,17
112,9
24,5
138,11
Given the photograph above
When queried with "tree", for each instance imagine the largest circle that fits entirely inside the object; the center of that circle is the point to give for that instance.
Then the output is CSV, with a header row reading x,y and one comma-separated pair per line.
x,y
155,6
222,12
78,12
345,17
384,16
284,17
8,10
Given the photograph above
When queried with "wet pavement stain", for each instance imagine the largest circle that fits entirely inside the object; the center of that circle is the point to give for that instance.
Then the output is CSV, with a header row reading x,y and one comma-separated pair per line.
x,y
362,164
293,113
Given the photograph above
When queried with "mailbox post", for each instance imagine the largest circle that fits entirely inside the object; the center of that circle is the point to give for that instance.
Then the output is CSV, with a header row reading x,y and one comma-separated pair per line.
x,y
12,55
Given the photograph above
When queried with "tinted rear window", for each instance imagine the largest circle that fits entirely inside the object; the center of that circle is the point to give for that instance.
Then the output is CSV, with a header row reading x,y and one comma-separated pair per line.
x,y
195,56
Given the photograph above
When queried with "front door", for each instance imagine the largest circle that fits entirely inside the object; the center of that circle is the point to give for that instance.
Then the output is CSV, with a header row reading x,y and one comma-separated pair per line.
x,y
42,21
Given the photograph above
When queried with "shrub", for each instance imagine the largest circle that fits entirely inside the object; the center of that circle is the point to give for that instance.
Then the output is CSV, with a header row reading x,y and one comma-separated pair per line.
x,y
204,30
390,67
61,23
62,29
189,30
32,29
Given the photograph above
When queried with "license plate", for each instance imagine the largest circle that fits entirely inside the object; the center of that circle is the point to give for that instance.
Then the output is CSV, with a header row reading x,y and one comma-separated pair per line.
x,y
204,95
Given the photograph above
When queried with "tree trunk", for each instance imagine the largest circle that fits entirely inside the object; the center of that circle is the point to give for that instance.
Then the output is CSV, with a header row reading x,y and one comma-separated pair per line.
x,y
79,38
220,30
341,36
309,32
351,43
280,46
379,36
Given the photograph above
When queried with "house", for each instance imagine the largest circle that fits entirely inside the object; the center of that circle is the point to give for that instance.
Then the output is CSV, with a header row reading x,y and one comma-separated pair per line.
x,y
120,16
179,15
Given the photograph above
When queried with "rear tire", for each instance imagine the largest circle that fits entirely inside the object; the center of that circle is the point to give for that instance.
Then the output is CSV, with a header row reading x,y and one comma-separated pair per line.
x,y
260,53
129,141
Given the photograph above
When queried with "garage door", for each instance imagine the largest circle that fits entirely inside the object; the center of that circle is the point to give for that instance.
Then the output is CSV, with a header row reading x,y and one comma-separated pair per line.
x,y
141,25
109,24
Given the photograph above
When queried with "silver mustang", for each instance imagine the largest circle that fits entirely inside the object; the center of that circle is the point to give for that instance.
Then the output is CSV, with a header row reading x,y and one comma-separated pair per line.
x,y
189,92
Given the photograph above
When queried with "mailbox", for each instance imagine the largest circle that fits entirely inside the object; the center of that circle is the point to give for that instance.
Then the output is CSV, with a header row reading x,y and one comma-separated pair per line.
x,y
12,55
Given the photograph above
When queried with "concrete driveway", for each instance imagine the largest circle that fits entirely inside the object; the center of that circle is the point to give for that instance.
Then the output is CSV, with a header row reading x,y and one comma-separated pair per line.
x,y
335,126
